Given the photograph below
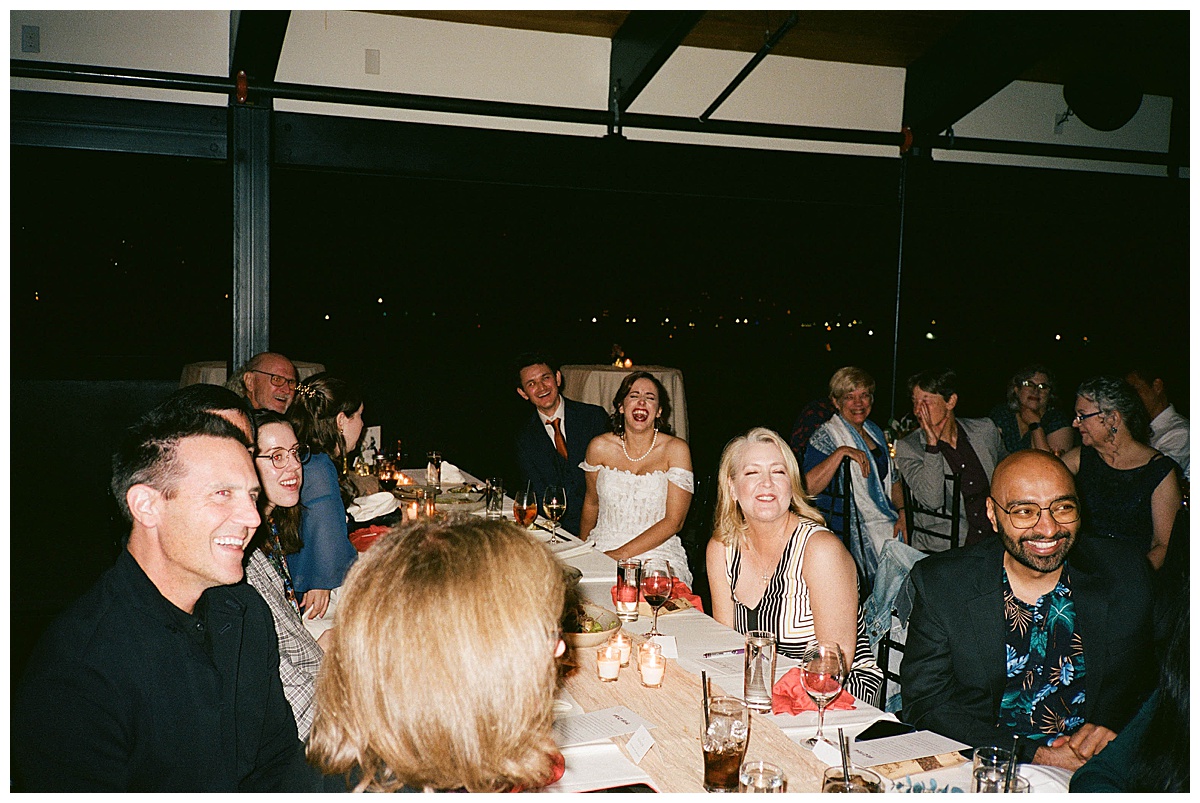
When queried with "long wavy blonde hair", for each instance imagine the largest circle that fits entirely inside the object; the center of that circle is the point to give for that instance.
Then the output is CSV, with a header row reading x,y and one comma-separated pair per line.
x,y
729,523
442,671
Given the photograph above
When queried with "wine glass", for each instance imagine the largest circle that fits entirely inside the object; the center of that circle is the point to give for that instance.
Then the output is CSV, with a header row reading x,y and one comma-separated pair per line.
x,y
822,674
554,505
525,507
657,583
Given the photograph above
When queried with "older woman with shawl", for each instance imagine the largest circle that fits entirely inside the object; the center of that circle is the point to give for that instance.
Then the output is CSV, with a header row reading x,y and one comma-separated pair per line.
x,y
878,501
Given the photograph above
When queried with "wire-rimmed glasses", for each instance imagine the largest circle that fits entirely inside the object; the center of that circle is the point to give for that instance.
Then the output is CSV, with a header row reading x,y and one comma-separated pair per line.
x,y
277,380
279,457
1025,515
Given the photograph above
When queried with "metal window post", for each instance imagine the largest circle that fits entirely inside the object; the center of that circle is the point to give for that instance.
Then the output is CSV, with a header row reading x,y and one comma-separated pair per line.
x,y
251,157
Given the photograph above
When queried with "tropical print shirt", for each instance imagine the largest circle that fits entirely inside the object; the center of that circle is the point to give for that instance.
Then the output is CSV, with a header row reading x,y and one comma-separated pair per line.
x,y
1044,697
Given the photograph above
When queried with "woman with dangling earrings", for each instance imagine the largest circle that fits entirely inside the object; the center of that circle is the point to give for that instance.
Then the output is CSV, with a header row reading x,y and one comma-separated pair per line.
x,y
1126,489
326,415
639,479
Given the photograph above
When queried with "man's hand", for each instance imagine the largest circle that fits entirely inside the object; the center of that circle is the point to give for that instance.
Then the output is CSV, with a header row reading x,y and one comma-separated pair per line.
x,y
315,602
1090,739
925,419
1058,754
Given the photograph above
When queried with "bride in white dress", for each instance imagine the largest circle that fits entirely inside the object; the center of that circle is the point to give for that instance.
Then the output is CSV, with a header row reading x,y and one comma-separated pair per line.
x,y
639,479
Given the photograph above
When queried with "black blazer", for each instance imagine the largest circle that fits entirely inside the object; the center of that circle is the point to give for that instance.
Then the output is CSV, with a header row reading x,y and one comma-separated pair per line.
x,y
953,671
542,465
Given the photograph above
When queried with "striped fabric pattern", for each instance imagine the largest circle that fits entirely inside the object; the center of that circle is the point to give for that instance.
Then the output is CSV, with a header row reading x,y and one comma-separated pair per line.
x,y
785,609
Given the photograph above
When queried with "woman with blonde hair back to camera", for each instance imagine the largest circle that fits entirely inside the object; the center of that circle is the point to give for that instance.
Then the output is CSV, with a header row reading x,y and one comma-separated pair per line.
x,y
772,564
442,671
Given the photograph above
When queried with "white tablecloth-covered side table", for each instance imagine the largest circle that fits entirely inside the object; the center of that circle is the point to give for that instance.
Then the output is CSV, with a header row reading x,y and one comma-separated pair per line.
x,y
597,384
215,372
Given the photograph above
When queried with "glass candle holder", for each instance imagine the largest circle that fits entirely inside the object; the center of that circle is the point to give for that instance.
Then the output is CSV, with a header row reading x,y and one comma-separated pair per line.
x,y
608,662
624,643
652,666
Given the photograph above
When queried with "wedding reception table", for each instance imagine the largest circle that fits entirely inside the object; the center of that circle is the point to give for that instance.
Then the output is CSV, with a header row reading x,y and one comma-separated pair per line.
x,y
674,763
597,384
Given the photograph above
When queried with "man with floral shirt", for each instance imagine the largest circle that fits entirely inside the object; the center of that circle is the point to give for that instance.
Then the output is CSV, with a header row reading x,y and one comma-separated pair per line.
x,y
1040,633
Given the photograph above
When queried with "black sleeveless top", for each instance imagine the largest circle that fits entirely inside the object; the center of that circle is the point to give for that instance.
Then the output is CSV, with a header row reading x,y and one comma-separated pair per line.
x,y
1116,502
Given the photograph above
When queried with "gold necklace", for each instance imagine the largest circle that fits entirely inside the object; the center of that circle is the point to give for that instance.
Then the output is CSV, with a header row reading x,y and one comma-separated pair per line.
x,y
760,556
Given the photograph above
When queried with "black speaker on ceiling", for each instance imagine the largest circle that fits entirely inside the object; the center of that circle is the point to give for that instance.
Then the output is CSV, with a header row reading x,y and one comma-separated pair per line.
x,y
1103,99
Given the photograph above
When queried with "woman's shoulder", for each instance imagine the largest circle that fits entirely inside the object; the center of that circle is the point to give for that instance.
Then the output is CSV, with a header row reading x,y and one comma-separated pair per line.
x,y
822,544
606,443
677,451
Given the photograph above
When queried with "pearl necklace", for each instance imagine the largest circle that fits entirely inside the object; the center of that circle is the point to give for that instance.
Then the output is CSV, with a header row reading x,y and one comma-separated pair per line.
x,y
653,441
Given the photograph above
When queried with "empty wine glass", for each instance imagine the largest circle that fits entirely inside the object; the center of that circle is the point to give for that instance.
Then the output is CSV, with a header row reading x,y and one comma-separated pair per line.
x,y
657,582
822,674
554,505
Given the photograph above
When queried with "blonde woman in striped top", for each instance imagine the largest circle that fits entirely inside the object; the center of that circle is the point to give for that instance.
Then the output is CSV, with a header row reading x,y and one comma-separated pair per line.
x,y
772,564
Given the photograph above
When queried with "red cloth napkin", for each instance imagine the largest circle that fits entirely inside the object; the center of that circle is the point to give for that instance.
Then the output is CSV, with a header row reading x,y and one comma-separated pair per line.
x,y
364,538
789,697
678,589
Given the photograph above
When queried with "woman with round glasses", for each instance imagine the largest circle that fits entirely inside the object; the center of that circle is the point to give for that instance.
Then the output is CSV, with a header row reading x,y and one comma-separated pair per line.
x,y
1028,419
327,417
1127,489
279,458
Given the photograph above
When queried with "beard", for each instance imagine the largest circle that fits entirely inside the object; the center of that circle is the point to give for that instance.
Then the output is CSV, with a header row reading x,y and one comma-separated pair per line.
x,y
1016,546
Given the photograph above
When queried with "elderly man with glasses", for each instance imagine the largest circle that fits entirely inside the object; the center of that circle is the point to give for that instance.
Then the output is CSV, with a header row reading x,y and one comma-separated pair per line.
x,y
268,380
1035,634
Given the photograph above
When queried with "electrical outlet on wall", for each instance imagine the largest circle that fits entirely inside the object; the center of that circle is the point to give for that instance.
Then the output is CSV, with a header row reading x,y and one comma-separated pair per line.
x,y
31,39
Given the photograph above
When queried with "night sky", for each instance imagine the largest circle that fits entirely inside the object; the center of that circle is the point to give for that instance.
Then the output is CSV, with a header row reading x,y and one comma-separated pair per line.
x,y
424,290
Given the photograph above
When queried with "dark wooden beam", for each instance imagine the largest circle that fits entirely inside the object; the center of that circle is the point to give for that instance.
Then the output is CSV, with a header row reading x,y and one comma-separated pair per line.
x,y
981,55
641,46
256,42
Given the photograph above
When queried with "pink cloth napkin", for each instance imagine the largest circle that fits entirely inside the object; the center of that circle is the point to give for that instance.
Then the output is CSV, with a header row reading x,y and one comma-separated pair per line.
x,y
679,589
789,697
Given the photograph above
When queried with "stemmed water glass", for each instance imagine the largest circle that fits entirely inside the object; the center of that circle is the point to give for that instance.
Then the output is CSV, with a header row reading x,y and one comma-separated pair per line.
x,y
657,582
554,505
822,674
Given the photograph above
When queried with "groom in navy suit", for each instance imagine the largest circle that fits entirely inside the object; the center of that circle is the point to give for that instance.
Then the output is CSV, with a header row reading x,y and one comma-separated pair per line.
x,y
553,442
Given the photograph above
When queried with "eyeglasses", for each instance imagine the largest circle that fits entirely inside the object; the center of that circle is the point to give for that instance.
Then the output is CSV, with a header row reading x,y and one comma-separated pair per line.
x,y
1081,417
279,457
277,380
1029,383
1026,515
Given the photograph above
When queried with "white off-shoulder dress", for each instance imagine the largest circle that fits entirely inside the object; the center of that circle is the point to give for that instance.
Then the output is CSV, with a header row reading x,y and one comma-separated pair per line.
x,y
631,503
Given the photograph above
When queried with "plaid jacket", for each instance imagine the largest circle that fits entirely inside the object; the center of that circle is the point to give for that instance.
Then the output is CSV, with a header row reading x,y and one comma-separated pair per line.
x,y
299,655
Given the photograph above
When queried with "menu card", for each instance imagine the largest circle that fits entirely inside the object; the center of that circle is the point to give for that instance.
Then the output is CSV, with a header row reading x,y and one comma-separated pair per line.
x,y
597,726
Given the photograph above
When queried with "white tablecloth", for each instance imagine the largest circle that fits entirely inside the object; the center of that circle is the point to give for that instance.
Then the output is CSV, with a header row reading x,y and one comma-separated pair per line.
x,y
215,372
597,384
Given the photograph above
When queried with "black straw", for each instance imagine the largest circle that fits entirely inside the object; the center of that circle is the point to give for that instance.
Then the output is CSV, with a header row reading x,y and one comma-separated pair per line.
x,y
704,697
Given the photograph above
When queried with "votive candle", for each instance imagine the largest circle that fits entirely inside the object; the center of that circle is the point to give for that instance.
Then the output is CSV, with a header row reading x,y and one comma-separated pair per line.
x,y
608,662
653,666
624,643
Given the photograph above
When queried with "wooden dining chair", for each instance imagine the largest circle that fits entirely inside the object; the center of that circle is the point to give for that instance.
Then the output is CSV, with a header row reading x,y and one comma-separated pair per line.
x,y
951,498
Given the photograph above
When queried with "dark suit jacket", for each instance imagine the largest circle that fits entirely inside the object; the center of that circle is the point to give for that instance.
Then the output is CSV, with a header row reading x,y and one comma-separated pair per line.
x,y
119,696
953,672
542,465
